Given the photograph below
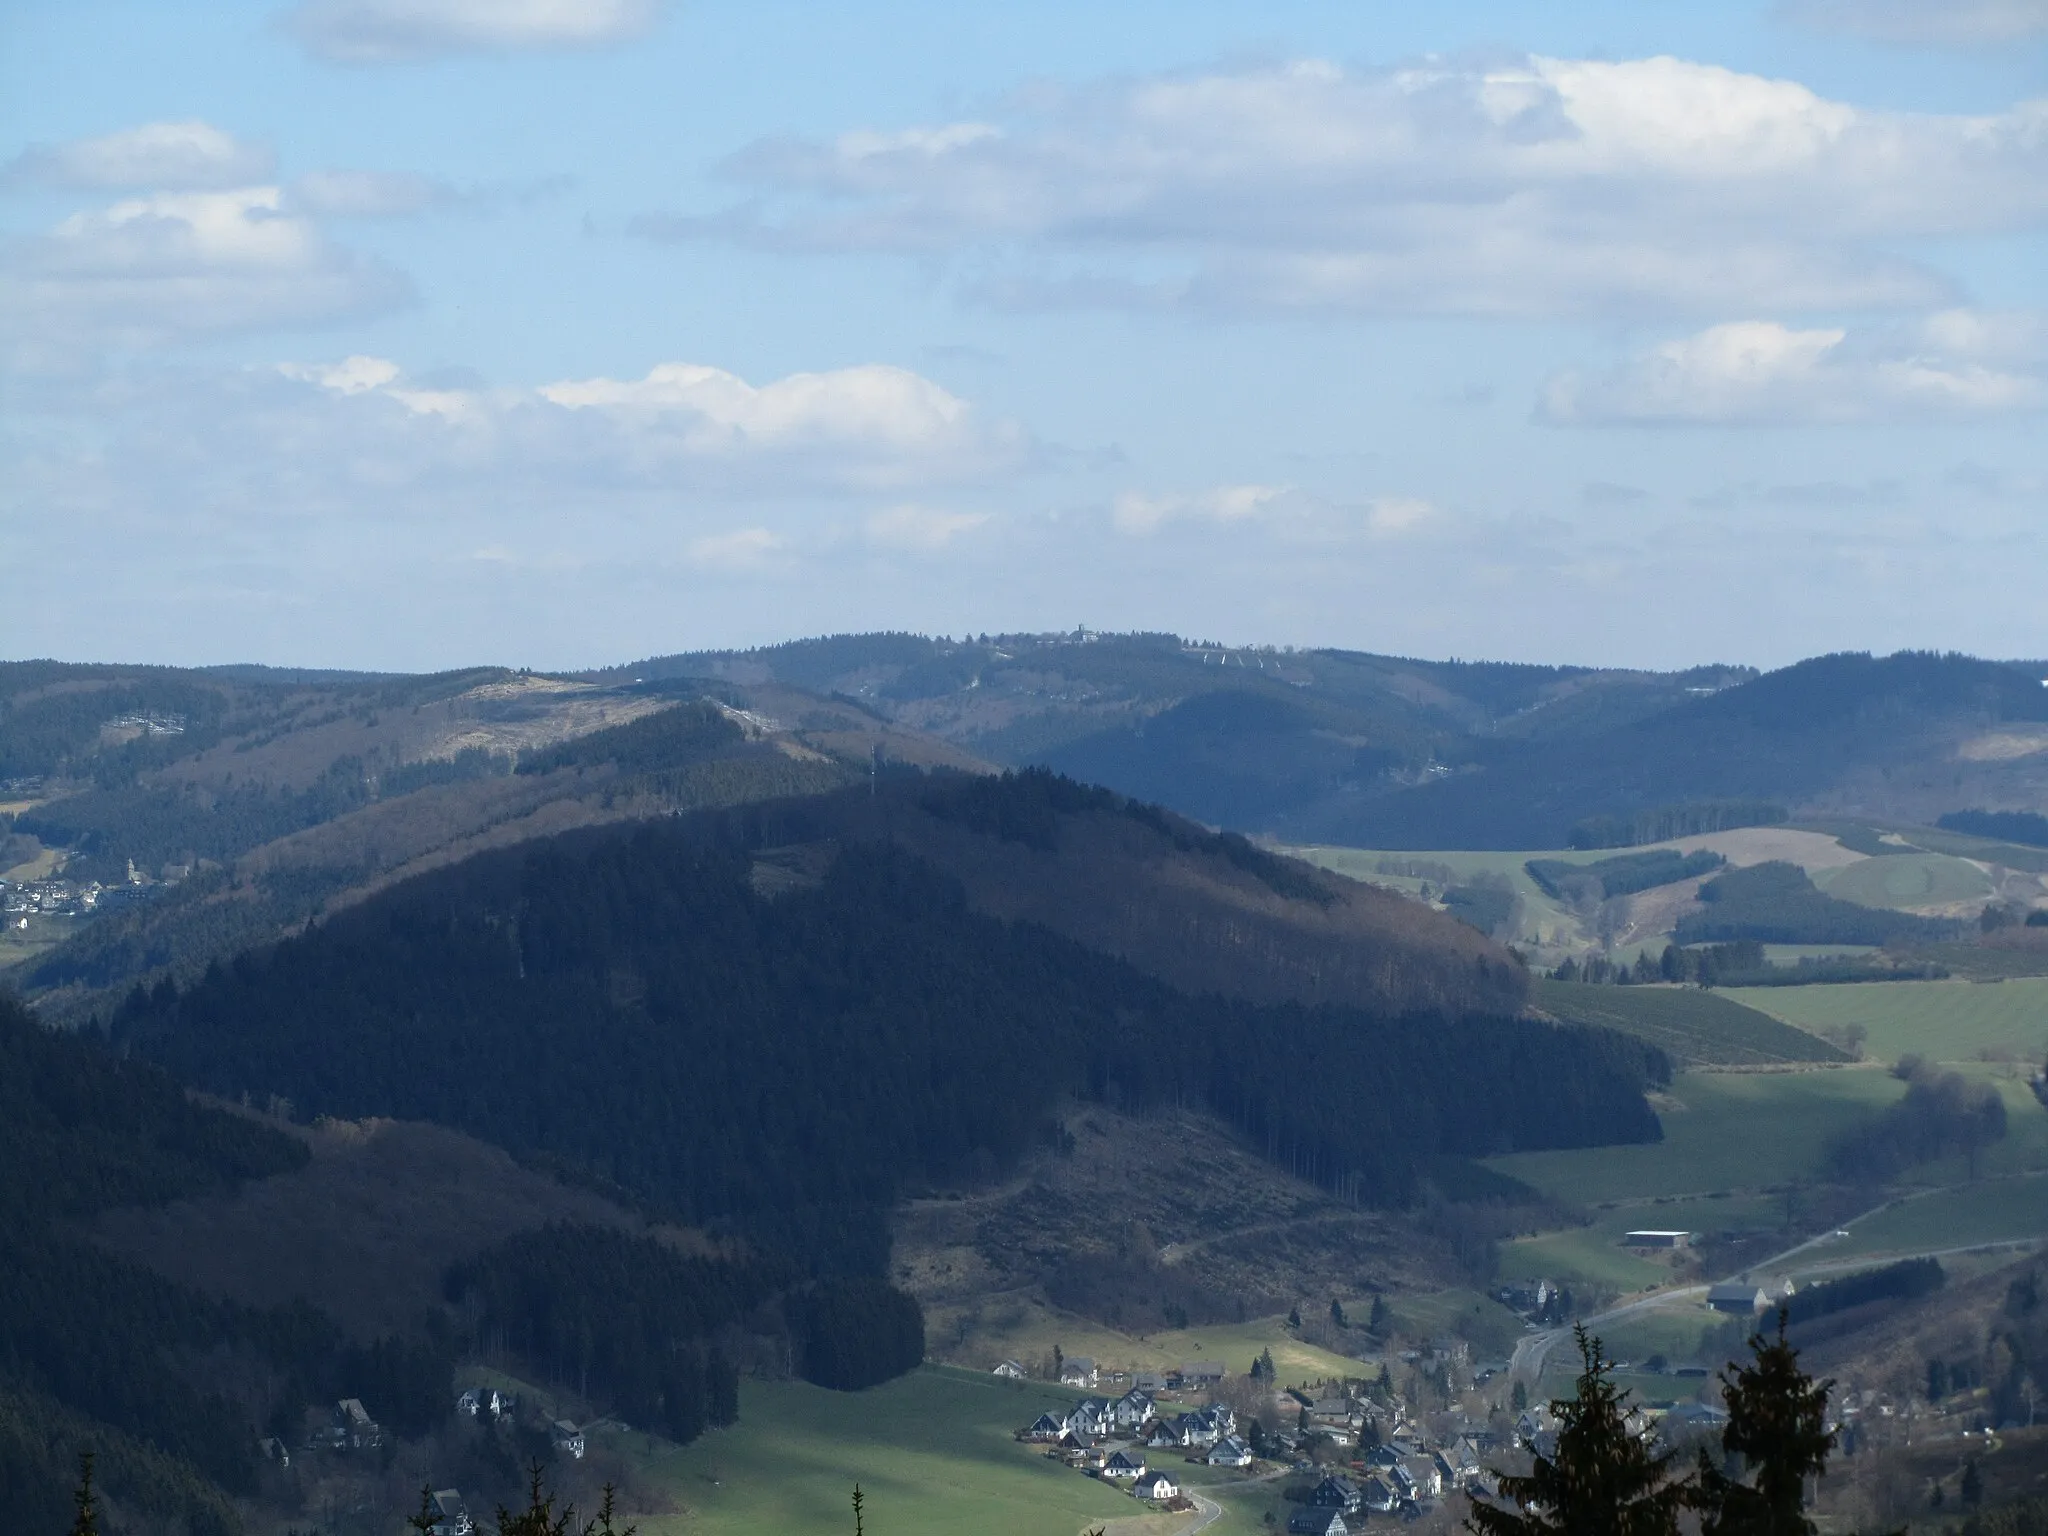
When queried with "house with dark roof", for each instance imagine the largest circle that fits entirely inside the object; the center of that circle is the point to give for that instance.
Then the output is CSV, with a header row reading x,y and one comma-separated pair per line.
x,y
1317,1521
1738,1296
1124,1464
1378,1495
1156,1488
1230,1452
1335,1492
451,1517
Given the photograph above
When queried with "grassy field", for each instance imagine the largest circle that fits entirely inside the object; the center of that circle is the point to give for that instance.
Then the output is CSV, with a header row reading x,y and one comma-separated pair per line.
x,y
1594,1251
43,934
1906,880
932,1452
1944,1020
1692,1026
1033,1329
1733,1131
1543,919
1991,1211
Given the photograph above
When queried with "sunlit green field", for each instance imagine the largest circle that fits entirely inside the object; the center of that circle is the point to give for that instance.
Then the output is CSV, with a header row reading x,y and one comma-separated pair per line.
x,y
1722,1131
932,1452
1943,1020
1032,1330
1906,880
1594,1251
1990,1211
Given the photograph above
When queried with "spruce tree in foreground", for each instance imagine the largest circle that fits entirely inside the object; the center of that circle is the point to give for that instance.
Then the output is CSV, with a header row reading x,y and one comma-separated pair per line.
x,y
1603,1480
1777,1424
87,1522
539,1517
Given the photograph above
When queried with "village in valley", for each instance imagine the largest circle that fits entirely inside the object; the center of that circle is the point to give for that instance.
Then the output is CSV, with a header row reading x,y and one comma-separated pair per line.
x,y
1418,1426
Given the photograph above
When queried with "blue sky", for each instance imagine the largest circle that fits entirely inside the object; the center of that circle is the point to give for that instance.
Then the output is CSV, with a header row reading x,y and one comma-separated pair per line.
x,y
416,333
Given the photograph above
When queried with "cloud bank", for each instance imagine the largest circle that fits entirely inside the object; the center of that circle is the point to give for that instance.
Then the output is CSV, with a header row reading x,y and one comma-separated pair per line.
x,y
1957,364
172,266
406,31
1528,186
181,156
1926,23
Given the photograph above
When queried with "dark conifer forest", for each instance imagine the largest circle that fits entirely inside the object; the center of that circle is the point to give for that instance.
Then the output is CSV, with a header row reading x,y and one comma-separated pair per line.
x,y
97,1351
623,1002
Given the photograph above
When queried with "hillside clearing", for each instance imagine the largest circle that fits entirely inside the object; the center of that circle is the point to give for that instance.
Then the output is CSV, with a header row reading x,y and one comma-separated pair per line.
x,y
1917,881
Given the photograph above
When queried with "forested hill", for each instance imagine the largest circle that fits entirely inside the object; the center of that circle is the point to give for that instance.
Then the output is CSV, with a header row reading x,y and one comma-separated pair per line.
x,y
627,1001
1378,751
1201,911
1840,732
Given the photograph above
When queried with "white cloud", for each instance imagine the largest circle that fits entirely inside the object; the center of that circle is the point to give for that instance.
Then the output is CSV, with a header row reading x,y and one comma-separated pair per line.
x,y
400,31
350,376
921,529
368,194
1138,513
1392,516
877,425
743,549
177,265
1936,23
182,156
1764,373
1529,186
684,426
1279,512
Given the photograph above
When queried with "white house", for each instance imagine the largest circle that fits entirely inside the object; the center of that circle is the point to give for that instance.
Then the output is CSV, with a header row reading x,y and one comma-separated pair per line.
x,y
1090,1419
450,1517
567,1439
1132,1409
1156,1487
1230,1452
1124,1464
1009,1370
1077,1371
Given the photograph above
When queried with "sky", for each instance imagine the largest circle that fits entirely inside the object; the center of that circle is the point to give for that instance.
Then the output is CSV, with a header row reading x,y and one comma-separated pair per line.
x,y
415,334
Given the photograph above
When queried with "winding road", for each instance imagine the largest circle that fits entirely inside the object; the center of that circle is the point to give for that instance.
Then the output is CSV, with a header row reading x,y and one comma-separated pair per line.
x,y
1526,1364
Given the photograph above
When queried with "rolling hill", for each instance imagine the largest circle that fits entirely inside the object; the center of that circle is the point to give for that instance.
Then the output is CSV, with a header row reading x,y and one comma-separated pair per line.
x,y
1383,752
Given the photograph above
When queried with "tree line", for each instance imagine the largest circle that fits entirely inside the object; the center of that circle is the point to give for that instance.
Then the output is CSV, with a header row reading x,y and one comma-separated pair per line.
x,y
1778,903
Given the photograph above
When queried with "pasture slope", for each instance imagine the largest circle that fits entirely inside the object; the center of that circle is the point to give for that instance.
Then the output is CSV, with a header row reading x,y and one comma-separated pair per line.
x,y
934,1455
1942,1020
1692,1026
1742,1150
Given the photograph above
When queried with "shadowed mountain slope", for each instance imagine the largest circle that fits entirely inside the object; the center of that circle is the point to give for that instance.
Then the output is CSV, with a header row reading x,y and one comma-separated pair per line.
x,y
786,1055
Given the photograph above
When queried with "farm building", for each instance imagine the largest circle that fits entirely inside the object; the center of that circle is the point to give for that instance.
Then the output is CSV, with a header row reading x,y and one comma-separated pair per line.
x,y
1657,1239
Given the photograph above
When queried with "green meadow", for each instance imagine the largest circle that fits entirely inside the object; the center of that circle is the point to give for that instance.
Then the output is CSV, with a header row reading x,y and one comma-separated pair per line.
x,y
1032,1330
1729,1131
932,1451
1942,1020
2009,1209
1906,880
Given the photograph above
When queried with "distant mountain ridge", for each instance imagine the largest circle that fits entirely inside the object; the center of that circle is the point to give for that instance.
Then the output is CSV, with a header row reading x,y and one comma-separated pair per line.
x,y
1342,747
